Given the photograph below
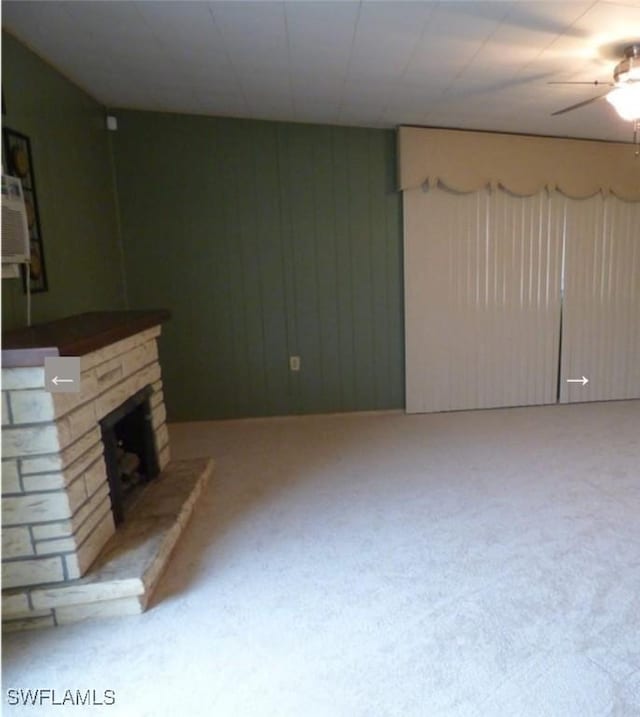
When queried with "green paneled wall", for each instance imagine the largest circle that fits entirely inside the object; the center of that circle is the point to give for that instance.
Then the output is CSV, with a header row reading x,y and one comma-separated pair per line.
x,y
73,174
265,240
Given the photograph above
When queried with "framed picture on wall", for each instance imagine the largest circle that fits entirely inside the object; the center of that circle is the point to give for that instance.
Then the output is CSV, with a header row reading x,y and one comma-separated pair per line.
x,y
19,163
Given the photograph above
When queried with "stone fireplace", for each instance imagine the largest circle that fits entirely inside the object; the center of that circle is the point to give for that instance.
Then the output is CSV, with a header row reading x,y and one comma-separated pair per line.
x,y
64,487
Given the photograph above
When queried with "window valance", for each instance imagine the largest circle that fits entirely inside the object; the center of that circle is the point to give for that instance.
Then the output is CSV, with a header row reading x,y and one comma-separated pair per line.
x,y
468,161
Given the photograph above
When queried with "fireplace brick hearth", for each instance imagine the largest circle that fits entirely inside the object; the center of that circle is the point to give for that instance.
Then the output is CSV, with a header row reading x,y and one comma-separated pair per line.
x,y
56,507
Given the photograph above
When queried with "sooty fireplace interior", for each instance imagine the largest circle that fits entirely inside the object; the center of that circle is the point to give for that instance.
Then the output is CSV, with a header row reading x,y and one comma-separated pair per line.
x,y
129,450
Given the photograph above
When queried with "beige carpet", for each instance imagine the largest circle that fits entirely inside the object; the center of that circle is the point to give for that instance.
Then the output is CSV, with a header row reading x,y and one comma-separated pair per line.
x,y
472,564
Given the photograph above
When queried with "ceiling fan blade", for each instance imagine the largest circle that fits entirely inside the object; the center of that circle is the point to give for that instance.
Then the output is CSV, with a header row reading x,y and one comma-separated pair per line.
x,y
579,104
593,82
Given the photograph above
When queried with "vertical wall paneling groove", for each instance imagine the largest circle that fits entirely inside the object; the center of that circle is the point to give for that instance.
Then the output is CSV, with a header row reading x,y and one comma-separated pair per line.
x,y
601,321
482,293
379,295
344,295
265,240
302,192
321,273
287,273
238,268
361,284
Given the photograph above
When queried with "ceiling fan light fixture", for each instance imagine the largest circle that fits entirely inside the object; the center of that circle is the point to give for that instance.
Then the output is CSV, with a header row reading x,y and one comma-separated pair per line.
x,y
628,70
630,75
626,101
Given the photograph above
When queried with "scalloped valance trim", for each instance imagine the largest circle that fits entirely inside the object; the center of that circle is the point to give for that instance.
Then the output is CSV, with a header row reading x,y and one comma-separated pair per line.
x,y
470,161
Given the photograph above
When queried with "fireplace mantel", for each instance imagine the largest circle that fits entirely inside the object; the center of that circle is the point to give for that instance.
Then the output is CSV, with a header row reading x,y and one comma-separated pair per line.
x,y
75,335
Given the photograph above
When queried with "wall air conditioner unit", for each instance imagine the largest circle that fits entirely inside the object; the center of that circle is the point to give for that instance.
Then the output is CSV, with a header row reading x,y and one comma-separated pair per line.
x,y
16,248
15,243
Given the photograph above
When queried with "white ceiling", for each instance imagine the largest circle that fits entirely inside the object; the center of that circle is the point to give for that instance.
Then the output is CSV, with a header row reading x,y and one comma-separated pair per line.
x,y
477,65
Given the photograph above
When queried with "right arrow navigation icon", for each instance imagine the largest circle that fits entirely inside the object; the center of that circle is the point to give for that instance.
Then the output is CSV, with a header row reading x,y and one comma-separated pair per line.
x,y
584,380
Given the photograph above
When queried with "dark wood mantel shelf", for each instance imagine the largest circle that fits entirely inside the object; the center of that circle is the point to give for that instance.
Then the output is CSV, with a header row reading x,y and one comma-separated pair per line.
x,y
75,335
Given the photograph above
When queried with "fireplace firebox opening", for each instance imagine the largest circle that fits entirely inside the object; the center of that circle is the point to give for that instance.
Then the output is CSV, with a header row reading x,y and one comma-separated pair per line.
x,y
129,451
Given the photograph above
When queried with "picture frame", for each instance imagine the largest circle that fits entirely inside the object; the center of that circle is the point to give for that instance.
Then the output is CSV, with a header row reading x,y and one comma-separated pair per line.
x,y
19,163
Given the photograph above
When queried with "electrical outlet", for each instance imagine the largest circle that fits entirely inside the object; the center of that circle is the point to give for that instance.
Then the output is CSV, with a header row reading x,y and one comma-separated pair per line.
x,y
294,363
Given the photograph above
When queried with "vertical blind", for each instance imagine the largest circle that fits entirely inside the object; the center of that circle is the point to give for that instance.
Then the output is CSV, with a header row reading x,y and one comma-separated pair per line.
x,y
601,306
495,284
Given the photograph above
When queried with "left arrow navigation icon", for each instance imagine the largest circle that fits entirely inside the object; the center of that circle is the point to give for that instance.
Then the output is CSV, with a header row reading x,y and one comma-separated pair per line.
x,y
62,374
58,380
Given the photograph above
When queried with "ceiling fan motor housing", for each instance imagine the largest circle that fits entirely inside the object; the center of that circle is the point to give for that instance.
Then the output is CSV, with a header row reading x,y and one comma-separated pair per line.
x,y
628,69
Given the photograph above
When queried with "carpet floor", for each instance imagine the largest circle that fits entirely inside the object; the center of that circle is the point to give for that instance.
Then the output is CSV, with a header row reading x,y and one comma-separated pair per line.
x,y
472,564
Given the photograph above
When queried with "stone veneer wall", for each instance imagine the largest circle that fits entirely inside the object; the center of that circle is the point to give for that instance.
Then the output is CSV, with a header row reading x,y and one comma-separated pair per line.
x,y
56,510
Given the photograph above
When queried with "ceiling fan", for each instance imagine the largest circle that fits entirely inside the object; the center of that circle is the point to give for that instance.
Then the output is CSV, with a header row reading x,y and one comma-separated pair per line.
x,y
625,95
